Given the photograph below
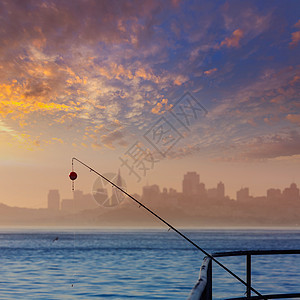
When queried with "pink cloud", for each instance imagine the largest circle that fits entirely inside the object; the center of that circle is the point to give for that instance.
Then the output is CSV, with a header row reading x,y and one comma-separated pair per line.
x,y
234,39
295,80
180,79
295,38
294,118
275,147
263,148
211,71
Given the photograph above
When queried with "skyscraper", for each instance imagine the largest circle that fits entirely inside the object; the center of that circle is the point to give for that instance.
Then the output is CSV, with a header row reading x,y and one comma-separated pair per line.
x,y
190,184
291,193
53,200
220,190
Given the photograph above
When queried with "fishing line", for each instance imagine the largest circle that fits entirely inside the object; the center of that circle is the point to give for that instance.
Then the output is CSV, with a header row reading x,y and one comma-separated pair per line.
x,y
168,224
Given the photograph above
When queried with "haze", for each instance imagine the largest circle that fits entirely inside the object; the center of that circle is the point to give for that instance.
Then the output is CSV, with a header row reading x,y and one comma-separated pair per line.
x,y
90,79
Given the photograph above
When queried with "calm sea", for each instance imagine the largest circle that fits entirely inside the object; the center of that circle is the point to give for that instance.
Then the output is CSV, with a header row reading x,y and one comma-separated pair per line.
x,y
137,264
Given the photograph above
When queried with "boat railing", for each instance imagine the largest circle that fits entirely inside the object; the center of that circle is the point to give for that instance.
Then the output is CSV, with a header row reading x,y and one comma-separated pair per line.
x,y
203,288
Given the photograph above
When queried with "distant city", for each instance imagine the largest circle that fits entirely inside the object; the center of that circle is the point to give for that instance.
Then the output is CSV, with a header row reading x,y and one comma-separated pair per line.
x,y
193,193
194,206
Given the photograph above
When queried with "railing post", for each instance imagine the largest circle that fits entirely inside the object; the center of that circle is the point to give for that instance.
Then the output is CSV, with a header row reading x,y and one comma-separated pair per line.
x,y
203,287
248,269
209,282
207,293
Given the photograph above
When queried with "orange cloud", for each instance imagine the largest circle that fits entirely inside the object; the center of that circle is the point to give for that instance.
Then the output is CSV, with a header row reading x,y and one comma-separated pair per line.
x,y
295,38
146,75
180,79
16,101
233,40
293,118
120,72
295,80
211,71
157,109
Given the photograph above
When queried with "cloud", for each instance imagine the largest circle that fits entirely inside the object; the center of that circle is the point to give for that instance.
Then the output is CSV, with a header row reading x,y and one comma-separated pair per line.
x,y
297,24
111,138
294,118
233,40
210,72
58,140
295,38
17,100
180,79
5,129
273,147
158,109
70,68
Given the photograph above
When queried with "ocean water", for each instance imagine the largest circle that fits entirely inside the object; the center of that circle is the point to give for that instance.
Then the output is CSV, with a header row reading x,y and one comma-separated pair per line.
x,y
138,264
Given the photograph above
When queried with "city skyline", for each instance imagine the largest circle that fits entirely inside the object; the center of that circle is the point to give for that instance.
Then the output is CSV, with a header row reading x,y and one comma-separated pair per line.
x,y
194,205
191,186
42,203
104,82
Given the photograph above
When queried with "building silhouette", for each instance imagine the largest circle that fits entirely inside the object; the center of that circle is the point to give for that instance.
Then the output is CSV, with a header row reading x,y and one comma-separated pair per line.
x,y
151,192
291,193
274,194
67,205
202,190
53,200
190,184
242,194
220,190
212,193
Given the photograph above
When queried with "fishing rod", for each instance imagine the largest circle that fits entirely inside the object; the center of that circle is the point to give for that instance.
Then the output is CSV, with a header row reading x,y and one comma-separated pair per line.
x,y
73,176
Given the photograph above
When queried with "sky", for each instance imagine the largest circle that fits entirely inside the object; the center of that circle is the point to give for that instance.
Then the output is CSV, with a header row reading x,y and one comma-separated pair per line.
x,y
104,81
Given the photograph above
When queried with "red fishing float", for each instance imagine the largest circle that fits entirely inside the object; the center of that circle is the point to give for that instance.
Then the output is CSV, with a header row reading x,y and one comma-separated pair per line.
x,y
73,175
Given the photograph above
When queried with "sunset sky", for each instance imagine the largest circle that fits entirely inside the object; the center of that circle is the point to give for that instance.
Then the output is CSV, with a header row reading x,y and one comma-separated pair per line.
x,y
90,79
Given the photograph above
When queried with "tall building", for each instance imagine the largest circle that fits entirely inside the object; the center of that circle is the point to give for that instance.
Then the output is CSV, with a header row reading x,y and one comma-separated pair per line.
x,y
291,193
220,190
53,200
242,194
190,184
